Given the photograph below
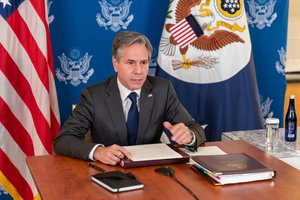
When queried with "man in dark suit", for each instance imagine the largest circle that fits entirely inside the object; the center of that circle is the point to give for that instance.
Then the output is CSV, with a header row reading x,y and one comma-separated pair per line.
x,y
109,113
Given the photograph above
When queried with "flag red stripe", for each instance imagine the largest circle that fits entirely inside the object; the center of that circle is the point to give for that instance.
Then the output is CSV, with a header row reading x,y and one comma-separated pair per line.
x,y
55,126
36,56
39,7
14,176
180,30
49,52
40,10
22,87
189,39
183,31
185,35
192,39
16,129
176,26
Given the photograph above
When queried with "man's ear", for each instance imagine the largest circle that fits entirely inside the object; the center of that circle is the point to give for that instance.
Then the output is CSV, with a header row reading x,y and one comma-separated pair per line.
x,y
115,64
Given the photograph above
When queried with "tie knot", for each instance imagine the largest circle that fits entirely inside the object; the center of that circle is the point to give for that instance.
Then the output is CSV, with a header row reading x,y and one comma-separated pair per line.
x,y
132,96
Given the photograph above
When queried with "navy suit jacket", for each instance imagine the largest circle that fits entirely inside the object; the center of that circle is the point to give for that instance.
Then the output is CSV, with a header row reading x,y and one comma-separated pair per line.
x,y
100,110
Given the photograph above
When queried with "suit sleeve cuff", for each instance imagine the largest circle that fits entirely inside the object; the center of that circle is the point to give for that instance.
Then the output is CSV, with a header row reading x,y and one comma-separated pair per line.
x,y
192,145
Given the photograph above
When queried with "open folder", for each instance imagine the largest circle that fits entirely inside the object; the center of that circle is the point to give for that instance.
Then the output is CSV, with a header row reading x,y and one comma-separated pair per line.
x,y
154,154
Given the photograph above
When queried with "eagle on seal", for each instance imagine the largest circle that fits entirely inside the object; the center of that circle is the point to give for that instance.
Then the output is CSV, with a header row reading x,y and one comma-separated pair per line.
x,y
217,40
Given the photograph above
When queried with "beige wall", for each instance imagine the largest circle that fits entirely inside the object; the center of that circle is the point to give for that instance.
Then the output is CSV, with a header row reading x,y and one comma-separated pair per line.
x,y
293,45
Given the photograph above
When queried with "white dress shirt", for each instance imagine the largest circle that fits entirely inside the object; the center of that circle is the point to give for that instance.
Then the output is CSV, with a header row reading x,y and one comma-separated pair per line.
x,y
126,103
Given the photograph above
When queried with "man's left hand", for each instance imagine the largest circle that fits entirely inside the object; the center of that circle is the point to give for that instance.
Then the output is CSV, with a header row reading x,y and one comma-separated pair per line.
x,y
181,134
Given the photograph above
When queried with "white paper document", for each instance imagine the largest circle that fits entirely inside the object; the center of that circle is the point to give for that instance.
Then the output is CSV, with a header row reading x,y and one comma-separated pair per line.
x,y
293,161
152,152
204,151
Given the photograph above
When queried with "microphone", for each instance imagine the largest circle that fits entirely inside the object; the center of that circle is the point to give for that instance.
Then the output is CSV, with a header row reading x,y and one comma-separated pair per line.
x,y
168,171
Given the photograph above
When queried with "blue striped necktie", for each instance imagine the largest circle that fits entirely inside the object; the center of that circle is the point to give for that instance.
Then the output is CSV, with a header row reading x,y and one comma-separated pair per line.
x,y
132,119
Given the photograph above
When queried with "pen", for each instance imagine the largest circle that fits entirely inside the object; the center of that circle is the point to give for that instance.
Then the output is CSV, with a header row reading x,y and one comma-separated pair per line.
x,y
207,172
96,167
191,149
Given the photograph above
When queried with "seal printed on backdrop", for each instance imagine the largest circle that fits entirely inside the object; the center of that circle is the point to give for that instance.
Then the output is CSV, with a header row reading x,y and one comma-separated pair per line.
x,y
280,65
114,15
75,69
261,13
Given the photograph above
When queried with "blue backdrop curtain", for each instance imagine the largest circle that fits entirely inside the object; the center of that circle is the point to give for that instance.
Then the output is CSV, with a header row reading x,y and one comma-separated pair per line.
x,y
268,22
82,34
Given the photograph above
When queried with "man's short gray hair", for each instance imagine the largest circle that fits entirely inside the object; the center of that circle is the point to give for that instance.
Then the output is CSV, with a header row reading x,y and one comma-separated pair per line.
x,y
128,38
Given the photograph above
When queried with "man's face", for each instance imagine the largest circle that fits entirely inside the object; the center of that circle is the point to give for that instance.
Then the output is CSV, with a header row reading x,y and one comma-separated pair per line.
x,y
133,66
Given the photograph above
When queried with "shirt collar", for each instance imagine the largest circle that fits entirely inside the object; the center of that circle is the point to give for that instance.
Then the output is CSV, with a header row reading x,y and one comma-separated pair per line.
x,y
125,91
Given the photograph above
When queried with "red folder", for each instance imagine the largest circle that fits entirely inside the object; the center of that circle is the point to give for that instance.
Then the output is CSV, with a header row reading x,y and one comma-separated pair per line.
x,y
127,163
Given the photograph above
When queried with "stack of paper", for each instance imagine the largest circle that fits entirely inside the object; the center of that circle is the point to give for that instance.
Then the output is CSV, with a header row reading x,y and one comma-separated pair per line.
x,y
232,168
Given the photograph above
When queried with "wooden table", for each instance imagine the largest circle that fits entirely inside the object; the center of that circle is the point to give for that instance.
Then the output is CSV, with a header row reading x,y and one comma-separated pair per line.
x,y
59,177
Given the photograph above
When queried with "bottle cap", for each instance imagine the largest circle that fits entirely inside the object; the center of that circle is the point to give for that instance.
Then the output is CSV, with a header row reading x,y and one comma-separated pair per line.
x,y
272,121
292,96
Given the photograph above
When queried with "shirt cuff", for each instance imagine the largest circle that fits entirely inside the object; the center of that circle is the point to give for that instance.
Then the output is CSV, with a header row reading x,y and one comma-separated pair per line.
x,y
193,141
91,154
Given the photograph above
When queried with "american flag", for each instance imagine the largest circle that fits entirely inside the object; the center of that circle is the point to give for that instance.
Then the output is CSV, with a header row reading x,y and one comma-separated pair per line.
x,y
29,115
186,31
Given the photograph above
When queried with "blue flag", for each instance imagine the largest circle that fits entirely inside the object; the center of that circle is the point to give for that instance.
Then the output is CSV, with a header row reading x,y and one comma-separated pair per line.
x,y
205,50
268,22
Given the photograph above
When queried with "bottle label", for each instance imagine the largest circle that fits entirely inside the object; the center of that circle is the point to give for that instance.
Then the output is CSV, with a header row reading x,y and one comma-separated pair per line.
x,y
291,130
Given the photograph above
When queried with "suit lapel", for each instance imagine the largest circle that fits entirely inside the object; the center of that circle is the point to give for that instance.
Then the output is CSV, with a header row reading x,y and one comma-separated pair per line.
x,y
114,104
146,104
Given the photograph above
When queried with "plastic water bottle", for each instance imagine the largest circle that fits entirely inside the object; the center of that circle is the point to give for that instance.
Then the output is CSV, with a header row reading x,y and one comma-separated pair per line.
x,y
291,121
